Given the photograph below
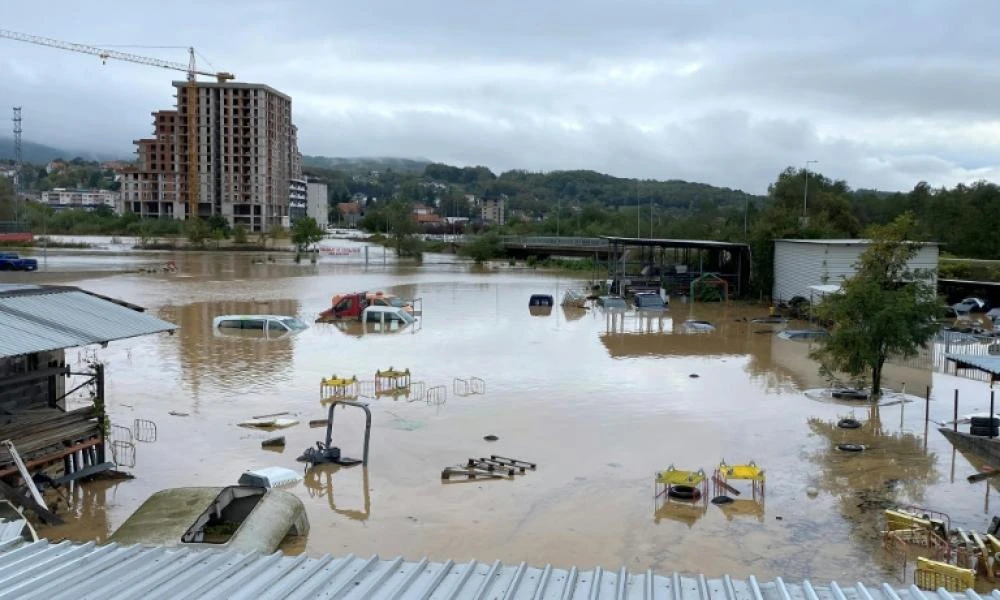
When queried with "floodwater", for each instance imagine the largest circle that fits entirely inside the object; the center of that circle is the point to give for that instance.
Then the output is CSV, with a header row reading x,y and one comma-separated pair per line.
x,y
600,402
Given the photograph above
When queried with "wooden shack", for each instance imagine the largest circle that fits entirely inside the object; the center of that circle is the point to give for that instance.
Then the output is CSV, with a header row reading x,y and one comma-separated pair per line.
x,y
37,324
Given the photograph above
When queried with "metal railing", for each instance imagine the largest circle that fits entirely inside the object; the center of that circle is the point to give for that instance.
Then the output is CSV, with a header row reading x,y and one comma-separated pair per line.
x,y
525,241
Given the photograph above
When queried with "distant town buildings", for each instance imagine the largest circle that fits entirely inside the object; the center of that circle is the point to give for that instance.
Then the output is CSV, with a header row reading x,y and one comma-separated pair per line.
x,y
247,154
349,213
62,198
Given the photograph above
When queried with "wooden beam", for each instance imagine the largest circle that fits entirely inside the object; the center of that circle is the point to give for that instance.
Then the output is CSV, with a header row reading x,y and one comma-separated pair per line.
x,y
44,514
48,458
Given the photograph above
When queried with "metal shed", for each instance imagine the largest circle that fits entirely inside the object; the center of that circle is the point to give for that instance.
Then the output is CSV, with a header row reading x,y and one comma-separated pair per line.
x,y
799,264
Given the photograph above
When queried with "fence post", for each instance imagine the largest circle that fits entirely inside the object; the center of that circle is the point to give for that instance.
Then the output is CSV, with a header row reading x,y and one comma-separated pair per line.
x,y
954,423
991,414
927,405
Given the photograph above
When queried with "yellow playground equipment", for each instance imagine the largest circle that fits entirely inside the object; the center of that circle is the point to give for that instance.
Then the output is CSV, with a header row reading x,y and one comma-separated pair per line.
x,y
338,388
934,575
678,484
746,472
392,382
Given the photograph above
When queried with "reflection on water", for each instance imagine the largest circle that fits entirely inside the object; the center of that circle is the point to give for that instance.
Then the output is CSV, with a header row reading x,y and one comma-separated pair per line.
x,y
319,483
241,359
600,400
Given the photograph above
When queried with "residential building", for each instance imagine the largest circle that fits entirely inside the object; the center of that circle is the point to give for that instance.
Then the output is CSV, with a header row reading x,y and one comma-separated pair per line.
x,y
492,210
86,199
150,187
809,267
317,202
298,191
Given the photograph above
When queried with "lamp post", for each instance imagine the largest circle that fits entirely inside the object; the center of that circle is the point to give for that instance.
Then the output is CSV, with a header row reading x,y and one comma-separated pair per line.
x,y
805,188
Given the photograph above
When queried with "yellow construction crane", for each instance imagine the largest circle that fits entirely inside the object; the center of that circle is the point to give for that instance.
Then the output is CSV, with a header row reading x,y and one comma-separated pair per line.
x,y
191,92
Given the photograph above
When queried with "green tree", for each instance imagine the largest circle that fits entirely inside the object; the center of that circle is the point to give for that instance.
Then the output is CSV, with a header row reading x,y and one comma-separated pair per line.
x,y
219,223
306,232
884,310
240,234
484,247
401,228
196,231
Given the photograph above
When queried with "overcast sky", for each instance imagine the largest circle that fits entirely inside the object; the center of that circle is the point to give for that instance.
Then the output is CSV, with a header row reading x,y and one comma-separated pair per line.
x,y
882,93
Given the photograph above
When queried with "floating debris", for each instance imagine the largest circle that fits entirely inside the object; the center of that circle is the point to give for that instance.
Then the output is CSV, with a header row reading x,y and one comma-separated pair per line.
x,y
490,438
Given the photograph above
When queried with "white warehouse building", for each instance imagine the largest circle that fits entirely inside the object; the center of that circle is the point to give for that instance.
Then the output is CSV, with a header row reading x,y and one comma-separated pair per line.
x,y
803,264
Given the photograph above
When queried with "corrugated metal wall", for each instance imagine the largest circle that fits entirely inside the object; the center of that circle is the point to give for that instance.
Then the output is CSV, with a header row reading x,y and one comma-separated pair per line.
x,y
798,265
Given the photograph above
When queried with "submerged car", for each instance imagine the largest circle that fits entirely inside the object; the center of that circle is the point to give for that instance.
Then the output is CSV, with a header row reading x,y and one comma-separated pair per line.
x,y
649,301
970,305
803,334
269,323
612,303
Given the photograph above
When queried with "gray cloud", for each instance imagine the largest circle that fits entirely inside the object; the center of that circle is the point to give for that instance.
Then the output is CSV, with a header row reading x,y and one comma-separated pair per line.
x,y
882,94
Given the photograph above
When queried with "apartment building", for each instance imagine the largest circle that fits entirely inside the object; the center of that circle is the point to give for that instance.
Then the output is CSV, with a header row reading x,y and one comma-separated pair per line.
x,y
150,188
298,196
492,210
88,199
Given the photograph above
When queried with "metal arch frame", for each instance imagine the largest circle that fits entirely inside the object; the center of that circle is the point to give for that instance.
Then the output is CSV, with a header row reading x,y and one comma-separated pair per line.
x,y
368,425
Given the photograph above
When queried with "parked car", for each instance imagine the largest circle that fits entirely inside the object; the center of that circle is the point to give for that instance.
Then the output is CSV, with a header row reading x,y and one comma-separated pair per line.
x,y
970,305
648,301
10,261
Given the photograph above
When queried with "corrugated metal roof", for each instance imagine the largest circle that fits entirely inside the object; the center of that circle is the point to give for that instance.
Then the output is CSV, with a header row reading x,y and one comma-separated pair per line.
x,y
46,570
10,529
987,363
36,319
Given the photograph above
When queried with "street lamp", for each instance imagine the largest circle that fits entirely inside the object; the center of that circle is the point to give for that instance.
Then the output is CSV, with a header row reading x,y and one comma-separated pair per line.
x,y
805,189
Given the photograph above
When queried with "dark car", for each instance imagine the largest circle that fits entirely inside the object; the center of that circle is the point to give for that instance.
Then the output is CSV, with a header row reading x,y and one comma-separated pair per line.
x,y
10,261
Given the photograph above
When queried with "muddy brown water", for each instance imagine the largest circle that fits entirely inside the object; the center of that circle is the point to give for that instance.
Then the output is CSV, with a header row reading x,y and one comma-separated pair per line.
x,y
601,402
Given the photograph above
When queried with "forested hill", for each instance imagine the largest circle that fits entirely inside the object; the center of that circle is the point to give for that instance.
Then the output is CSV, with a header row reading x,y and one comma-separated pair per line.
x,y
534,193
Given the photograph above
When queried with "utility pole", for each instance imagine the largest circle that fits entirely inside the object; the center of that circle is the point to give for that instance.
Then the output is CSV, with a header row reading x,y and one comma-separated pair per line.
x,y
805,188
638,234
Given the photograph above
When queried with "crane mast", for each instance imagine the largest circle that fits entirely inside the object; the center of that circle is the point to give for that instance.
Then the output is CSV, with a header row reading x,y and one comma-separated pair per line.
x,y
190,90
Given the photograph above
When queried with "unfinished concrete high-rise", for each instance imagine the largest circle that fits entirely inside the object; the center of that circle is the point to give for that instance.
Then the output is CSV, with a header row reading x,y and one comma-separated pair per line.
x,y
246,145
246,153
150,189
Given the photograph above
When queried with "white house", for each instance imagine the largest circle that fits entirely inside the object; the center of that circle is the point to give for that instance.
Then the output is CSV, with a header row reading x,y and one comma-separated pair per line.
x,y
803,264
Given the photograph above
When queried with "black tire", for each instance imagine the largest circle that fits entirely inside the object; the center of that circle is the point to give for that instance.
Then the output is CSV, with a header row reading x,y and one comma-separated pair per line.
x,y
6,267
849,394
849,424
985,431
722,500
684,492
985,422
850,447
